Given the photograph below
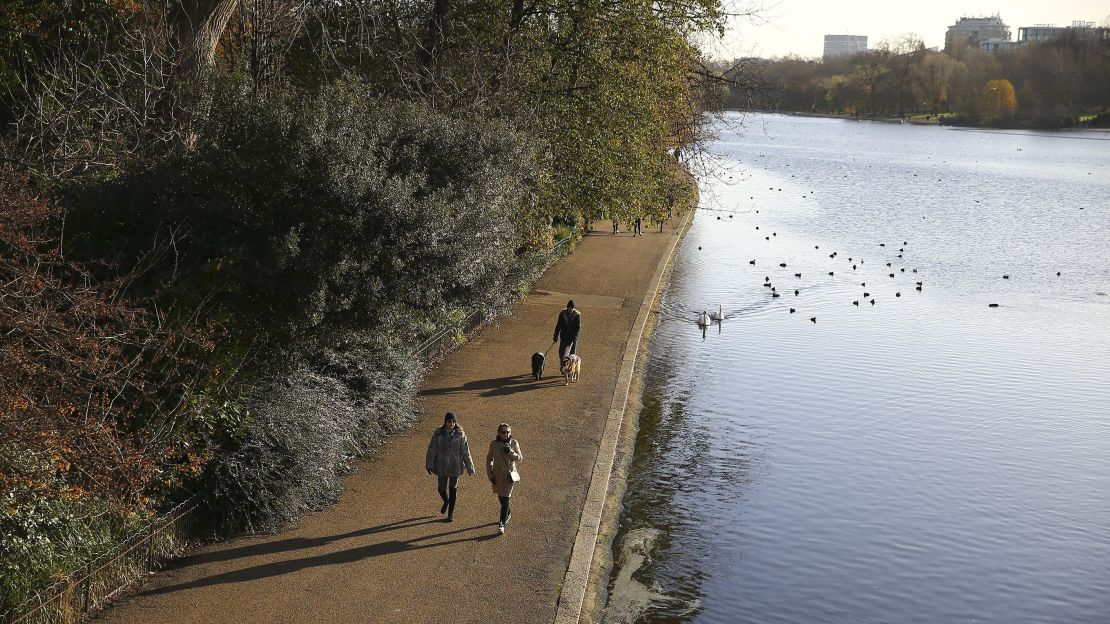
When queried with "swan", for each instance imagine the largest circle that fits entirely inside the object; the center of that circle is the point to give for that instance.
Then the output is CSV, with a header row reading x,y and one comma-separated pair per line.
x,y
703,318
719,315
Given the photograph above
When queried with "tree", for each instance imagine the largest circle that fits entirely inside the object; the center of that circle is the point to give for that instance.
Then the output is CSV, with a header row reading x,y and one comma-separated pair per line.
x,y
973,69
933,77
998,99
871,69
902,57
844,94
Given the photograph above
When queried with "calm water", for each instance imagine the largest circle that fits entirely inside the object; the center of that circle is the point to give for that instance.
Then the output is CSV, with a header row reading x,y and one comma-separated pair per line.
x,y
923,459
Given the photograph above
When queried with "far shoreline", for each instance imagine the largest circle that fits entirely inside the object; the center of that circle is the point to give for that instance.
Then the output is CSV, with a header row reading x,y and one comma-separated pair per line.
x,y
933,120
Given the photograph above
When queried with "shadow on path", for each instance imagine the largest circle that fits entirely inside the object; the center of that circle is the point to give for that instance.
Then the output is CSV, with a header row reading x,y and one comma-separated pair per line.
x,y
294,543
350,555
498,386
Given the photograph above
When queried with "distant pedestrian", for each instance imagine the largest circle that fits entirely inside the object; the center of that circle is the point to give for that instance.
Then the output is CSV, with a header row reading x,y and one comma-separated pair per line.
x,y
504,453
566,330
636,231
616,226
448,456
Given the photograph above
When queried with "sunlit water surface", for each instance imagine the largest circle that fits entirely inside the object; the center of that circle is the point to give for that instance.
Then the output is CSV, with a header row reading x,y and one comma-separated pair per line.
x,y
923,459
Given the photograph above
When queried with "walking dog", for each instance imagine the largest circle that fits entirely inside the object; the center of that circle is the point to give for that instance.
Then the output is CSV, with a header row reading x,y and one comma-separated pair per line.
x,y
537,365
572,366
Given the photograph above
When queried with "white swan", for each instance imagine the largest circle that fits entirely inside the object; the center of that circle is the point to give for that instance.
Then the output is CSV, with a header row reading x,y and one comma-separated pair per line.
x,y
703,318
719,315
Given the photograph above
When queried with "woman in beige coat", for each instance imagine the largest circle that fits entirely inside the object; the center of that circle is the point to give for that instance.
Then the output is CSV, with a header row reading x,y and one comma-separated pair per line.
x,y
504,453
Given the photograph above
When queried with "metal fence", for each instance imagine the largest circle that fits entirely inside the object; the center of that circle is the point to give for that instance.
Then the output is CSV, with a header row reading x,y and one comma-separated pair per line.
x,y
90,589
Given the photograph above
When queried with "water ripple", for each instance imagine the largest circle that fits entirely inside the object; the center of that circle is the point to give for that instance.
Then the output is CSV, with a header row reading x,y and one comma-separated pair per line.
x,y
923,459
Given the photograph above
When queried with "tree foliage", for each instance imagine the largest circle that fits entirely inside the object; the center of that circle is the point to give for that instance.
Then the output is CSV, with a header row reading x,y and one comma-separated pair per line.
x,y
1054,82
998,99
226,225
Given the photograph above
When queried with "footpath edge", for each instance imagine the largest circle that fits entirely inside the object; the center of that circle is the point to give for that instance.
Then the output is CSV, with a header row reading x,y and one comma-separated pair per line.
x,y
577,578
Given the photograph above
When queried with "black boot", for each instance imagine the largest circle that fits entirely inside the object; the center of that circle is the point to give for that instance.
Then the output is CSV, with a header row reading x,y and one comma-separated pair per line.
x,y
451,505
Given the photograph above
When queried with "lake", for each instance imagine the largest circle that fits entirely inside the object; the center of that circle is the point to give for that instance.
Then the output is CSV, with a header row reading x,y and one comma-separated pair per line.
x,y
880,453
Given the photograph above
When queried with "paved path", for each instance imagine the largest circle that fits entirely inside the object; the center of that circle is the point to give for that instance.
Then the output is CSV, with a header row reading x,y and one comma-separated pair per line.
x,y
382,554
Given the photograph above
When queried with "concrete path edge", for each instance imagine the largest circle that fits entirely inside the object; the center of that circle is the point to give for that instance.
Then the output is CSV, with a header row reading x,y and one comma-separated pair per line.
x,y
573,592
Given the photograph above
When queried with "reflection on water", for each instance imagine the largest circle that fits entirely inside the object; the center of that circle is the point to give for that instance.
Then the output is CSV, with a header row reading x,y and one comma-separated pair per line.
x,y
816,457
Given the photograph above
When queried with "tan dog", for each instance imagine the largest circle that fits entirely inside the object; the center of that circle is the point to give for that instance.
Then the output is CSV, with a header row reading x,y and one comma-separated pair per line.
x,y
572,366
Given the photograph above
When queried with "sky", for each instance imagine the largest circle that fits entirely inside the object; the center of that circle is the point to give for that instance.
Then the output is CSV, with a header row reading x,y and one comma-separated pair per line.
x,y
782,27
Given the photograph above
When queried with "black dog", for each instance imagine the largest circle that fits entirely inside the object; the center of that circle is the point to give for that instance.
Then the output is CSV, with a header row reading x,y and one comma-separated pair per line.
x,y
537,365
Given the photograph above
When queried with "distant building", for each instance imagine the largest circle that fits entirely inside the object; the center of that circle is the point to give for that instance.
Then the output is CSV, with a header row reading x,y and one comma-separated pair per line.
x,y
1038,33
994,45
844,45
972,31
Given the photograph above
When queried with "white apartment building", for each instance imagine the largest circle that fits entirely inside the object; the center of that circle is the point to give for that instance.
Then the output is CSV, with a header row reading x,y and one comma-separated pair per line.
x,y
844,45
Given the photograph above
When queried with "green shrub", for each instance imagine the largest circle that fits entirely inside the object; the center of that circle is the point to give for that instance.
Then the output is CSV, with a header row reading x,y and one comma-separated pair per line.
x,y
328,236
304,219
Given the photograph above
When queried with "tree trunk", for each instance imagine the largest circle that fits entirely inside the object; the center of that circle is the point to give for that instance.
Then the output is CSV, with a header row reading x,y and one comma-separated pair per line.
x,y
195,29
434,43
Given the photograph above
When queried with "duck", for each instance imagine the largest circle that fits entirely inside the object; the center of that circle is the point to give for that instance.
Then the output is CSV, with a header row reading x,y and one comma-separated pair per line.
x,y
703,319
719,315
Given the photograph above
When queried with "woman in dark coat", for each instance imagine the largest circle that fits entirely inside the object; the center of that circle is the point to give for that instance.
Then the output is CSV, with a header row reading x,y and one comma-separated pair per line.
x,y
448,456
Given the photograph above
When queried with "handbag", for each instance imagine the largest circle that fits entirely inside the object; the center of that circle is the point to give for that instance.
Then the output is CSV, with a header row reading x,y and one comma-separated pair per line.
x,y
514,476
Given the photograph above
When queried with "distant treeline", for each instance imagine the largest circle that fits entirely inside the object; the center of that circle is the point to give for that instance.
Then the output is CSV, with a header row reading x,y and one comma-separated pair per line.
x,y
1052,84
225,225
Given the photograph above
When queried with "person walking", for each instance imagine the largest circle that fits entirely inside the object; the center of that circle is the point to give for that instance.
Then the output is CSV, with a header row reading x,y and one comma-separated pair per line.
x,y
566,330
637,231
501,460
448,456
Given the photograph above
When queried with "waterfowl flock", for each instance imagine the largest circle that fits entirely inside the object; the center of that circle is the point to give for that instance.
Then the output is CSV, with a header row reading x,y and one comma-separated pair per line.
x,y
895,261
854,262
